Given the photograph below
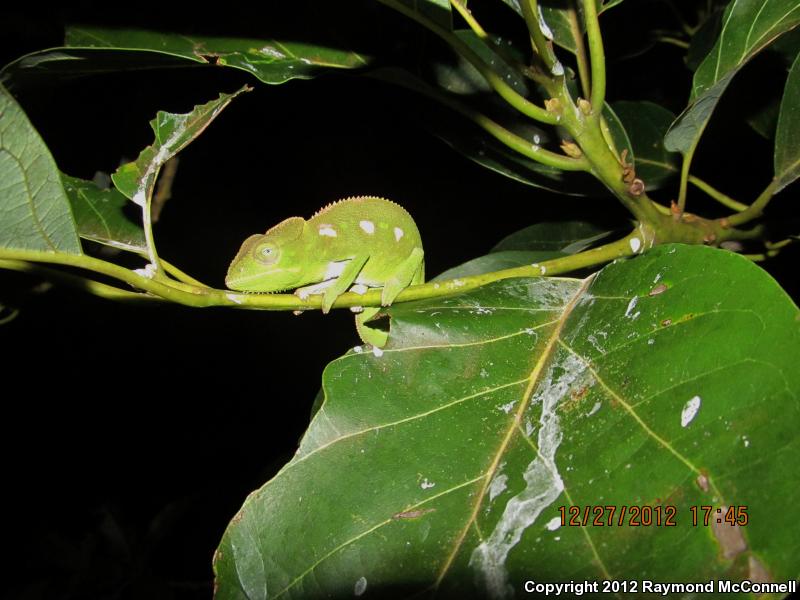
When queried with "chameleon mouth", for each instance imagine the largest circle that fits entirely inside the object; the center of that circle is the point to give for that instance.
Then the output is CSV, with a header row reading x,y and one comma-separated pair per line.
x,y
249,283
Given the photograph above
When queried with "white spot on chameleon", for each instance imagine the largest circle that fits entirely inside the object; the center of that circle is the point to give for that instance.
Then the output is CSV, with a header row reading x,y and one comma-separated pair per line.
x,y
426,485
367,226
636,244
335,268
557,69
358,349
689,411
359,288
398,233
361,586
328,231
237,298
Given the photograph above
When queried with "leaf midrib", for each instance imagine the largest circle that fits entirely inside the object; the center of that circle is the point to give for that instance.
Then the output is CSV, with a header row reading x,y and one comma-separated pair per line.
x,y
533,380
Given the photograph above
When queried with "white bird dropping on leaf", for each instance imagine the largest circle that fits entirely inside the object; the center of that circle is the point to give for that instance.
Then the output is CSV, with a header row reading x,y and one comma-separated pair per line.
x,y
689,411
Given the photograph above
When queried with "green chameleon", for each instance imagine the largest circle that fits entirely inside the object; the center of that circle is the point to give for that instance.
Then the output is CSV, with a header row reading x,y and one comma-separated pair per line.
x,y
353,244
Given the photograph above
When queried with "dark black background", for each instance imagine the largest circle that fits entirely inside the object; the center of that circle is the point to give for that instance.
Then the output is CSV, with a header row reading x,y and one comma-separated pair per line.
x,y
132,434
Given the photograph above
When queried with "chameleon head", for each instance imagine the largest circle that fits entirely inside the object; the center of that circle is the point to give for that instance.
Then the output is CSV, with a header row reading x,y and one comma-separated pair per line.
x,y
270,262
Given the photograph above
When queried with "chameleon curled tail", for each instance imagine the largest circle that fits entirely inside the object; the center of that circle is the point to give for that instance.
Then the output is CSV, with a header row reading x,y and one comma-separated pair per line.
x,y
354,244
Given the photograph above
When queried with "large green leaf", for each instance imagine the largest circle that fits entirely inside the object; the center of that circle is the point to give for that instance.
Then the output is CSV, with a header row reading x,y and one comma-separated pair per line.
x,y
787,136
95,49
748,26
100,217
440,463
646,124
35,211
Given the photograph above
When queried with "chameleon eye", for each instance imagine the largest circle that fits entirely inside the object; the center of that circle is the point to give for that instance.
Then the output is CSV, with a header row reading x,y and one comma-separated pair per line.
x,y
266,254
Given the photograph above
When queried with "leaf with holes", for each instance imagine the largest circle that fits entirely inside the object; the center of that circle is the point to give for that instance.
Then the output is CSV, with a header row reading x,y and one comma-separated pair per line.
x,y
748,26
92,50
34,208
173,133
443,462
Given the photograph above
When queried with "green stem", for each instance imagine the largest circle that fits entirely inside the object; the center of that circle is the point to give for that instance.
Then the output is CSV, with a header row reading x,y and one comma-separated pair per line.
x,y
494,80
466,14
97,288
203,297
685,166
541,45
580,47
526,148
714,193
757,207
180,275
596,56
509,139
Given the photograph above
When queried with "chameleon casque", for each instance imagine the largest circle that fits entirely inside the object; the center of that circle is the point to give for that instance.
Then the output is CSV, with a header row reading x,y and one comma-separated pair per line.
x,y
350,245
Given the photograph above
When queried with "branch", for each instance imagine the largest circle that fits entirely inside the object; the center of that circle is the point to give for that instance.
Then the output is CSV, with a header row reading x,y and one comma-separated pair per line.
x,y
496,82
596,56
635,242
757,207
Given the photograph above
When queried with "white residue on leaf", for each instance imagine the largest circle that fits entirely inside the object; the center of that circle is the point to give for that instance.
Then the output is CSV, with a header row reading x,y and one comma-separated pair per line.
x,y
689,411
657,279
361,586
484,373
358,349
425,485
593,341
272,52
651,341
498,486
595,408
506,408
746,441
543,480
529,428
458,283
377,352
553,524
631,306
